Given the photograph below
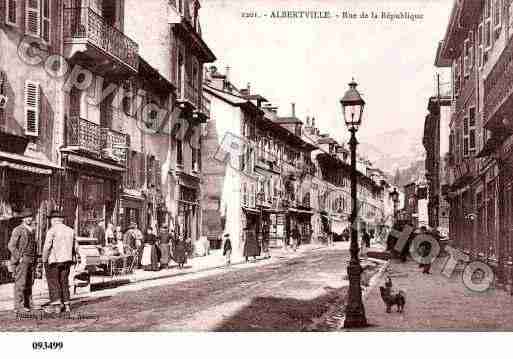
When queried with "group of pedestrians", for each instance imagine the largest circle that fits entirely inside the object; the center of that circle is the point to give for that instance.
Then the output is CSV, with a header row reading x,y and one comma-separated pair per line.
x,y
154,250
151,251
254,245
60,251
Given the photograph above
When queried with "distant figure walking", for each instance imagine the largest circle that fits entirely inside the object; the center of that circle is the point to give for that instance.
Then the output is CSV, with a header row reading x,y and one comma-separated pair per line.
x,y
295,238
180,255
165,250
227,249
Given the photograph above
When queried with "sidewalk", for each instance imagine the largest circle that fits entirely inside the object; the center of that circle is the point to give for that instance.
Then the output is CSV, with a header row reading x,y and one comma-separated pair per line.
x,y
193,266
435,302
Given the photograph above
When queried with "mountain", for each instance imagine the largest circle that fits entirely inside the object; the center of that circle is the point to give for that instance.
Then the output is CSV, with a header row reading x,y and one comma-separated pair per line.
x,y
397,149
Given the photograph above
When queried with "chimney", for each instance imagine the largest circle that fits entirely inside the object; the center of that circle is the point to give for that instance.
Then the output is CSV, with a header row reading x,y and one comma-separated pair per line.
x,y
313,122
308,121
248,87
293,109
227,73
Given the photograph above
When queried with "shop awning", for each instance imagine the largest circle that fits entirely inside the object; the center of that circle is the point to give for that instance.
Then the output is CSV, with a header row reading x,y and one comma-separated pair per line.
x,y
27,164
91,162
303,211
251,210
26,168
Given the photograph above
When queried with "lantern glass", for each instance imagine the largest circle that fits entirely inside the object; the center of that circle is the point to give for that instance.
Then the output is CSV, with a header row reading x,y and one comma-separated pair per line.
x,y
352,107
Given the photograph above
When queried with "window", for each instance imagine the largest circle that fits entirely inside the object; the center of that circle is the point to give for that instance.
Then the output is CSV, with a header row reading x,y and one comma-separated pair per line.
x,y
32,108
497,13
179,152
37,19
11,12
468,55
480,53
472,130
511,19
488,34
465,137
45,20
456,77
179,73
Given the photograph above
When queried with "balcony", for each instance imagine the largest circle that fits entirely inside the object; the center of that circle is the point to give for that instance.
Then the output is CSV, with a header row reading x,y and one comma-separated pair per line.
x,y
205,106
86,136
87,32
498,90
188,95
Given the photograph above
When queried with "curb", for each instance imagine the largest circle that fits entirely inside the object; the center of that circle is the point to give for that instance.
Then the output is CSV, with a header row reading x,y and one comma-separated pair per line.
x,y
125,282
336,315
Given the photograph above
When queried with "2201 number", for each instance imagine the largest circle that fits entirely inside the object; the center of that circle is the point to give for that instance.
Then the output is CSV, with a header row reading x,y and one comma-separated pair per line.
x,y
47,345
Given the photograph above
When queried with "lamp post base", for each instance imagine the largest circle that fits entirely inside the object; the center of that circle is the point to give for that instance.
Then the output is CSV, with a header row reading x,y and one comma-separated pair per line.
x,y
355,312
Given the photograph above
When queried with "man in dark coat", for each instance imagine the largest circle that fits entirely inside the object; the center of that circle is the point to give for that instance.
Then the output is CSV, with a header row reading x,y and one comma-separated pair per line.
x,y
227,249
98,232
165,250
23,248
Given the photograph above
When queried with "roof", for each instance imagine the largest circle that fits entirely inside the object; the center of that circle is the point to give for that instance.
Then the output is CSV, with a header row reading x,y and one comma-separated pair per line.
x,y
150,74
289,119
326,140
223,95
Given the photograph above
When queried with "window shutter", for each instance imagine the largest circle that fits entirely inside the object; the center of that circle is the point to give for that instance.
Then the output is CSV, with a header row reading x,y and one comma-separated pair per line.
x,y
46,22
158,175
32,17
11,12
32,108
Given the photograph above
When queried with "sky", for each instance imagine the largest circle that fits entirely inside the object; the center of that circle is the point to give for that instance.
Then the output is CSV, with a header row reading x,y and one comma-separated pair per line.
x,y
311,61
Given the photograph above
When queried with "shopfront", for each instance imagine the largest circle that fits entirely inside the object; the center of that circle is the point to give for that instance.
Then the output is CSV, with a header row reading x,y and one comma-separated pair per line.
x,y
25,183
188,212
277,228
303,220
90,193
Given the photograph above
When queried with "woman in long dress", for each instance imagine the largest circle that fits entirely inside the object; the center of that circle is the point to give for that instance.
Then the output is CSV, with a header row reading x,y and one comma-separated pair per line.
x,y
180,255
150,260
165,252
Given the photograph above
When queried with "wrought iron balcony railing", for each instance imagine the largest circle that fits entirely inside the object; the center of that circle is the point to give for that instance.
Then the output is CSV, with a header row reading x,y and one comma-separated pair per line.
x,y
187,93
498,86
114,145
84,23
205,106
83,134
100,141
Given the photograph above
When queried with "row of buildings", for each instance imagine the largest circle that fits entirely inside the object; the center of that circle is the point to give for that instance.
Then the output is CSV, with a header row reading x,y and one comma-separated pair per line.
x,y
111,117
270,173
475,176
90,91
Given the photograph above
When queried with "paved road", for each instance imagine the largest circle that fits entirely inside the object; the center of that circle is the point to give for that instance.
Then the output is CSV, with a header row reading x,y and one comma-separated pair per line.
x,y
280,296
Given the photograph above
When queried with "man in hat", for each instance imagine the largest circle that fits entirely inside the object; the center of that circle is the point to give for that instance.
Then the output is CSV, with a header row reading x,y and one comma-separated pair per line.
x,y
227,249
59,253
165,250
133,240
23,248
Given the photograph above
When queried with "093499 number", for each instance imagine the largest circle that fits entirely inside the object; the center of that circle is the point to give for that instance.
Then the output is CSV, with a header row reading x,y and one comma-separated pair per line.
x,y
47,345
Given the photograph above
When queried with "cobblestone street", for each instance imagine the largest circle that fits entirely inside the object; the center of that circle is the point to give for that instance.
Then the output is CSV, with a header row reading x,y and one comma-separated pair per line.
x,y
281,296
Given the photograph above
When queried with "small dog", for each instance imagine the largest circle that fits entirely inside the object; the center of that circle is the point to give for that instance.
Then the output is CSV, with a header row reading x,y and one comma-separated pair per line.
x,y
390,299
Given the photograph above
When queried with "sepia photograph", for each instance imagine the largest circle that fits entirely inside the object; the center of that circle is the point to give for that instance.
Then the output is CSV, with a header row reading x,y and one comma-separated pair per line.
x,y
255,166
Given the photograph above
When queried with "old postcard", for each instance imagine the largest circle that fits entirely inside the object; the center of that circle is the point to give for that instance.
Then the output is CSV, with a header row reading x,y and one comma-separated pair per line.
x,y
255,166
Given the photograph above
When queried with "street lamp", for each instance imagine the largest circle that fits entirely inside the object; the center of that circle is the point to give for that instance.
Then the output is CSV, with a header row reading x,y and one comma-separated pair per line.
x,y
395,198
352,108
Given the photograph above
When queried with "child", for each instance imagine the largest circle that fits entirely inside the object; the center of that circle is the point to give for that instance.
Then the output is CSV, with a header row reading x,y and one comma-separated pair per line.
x,y
227,249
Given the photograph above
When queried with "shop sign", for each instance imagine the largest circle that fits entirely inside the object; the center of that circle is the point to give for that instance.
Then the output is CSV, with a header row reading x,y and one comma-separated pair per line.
x,y
119,152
